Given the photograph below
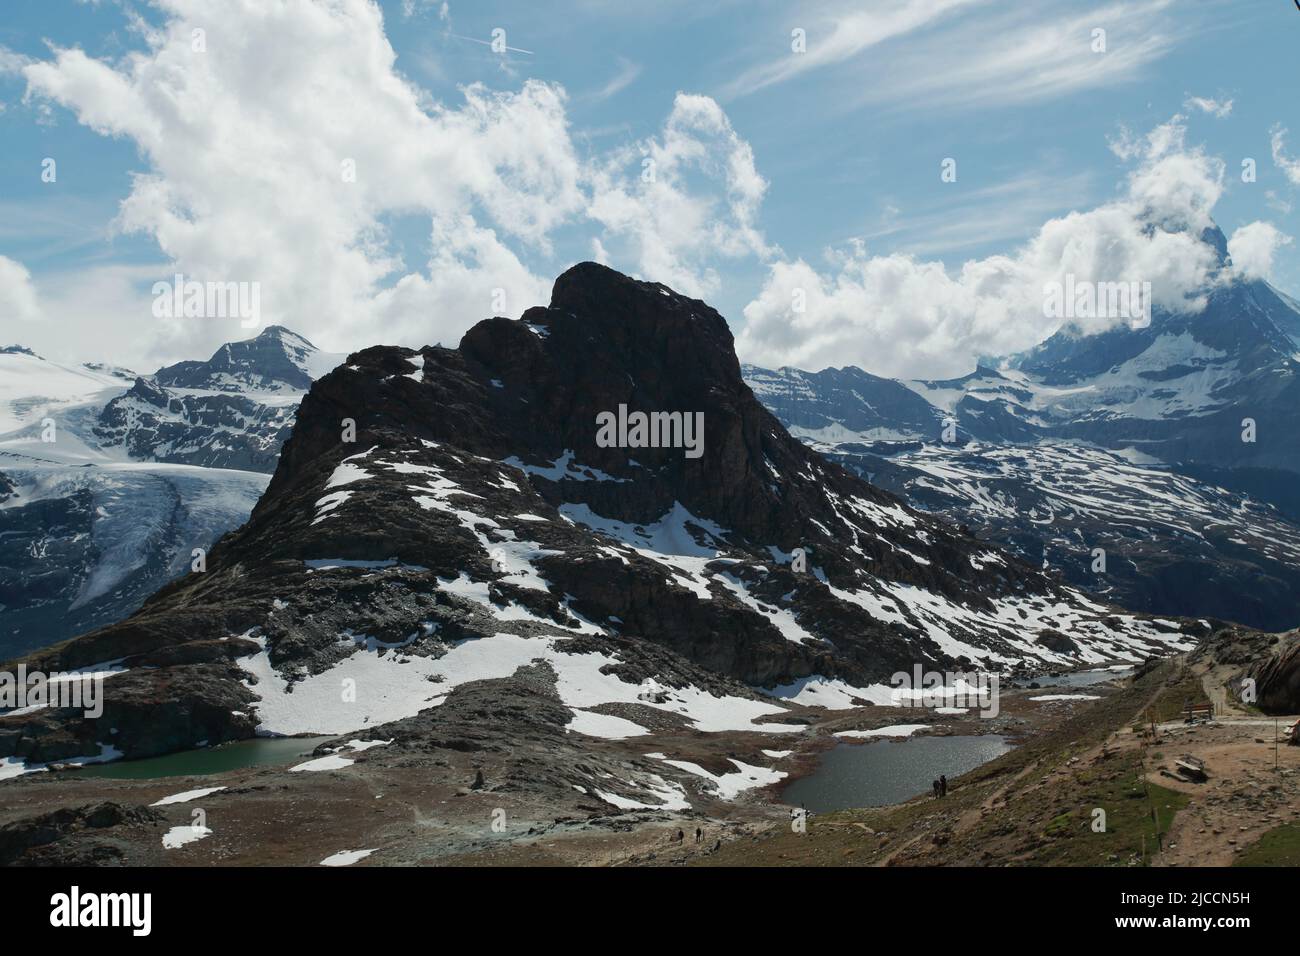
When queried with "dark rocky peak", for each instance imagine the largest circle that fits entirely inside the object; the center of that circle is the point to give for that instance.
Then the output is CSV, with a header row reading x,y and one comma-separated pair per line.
x,y
17,350
148,391
531,392
1213,237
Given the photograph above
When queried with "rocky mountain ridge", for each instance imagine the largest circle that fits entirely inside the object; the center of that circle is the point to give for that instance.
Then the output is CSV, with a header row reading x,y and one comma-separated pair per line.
x,y
447,515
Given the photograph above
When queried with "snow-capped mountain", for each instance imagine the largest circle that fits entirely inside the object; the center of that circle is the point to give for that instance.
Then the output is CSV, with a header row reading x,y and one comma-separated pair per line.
x,y
277,360
233,411
109,480
487,516
1178,390
1175,391
1171,446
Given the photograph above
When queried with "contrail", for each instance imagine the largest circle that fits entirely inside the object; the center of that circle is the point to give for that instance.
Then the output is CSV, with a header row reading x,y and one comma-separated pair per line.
x,y
515,49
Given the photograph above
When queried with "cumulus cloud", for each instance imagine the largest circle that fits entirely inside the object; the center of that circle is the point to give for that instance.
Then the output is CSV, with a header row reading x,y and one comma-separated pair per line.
x,y
251,145
1253,246
672,204
18,300
286,147
440,305
897,315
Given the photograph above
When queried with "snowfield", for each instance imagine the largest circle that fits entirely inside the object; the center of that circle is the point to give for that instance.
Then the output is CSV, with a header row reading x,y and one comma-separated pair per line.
x,y
897,730
393,687
185,797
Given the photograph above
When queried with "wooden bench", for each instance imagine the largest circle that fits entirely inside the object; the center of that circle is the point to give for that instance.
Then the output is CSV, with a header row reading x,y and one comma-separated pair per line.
x,y
1194,711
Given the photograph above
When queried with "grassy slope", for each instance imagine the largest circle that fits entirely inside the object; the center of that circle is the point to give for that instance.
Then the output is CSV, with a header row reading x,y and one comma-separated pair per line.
x,y
1278,847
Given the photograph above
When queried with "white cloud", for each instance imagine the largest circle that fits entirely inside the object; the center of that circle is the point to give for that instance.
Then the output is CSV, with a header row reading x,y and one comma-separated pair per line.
x,y
625,77
897,315
1253,246
1277,203
1174,185
471,276
1026,54
245,147
18,300
12,63
991,54
1290,166
245,144
412,7
838,34
1005,213
1216,108
673,204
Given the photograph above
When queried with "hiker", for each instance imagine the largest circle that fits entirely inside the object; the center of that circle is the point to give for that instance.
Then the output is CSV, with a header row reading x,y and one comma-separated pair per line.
x,y
935,785
681,837
943,785
717,844
699,835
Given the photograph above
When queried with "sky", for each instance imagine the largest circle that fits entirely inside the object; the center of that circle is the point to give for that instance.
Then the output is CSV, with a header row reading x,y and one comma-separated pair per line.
x,y
882,183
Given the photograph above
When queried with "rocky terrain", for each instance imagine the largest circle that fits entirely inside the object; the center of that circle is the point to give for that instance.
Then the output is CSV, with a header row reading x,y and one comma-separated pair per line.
x,y
494,776
1140,535
448,515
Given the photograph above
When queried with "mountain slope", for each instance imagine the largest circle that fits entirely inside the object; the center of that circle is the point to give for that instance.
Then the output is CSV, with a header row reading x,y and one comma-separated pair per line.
x,y
1172,544
1169,446
277,360
476,524
105,490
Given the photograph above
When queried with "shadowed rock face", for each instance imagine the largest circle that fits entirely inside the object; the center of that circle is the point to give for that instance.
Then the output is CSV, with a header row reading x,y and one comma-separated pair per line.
x,y
1277,677
1270,661
475,500
78,836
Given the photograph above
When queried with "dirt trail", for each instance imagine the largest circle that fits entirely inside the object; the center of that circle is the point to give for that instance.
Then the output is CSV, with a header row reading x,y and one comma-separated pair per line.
x,y
1224,705
1244,796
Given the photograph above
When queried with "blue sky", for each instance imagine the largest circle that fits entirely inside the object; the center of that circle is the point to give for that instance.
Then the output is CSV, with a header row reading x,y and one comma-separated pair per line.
x,y
779,167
